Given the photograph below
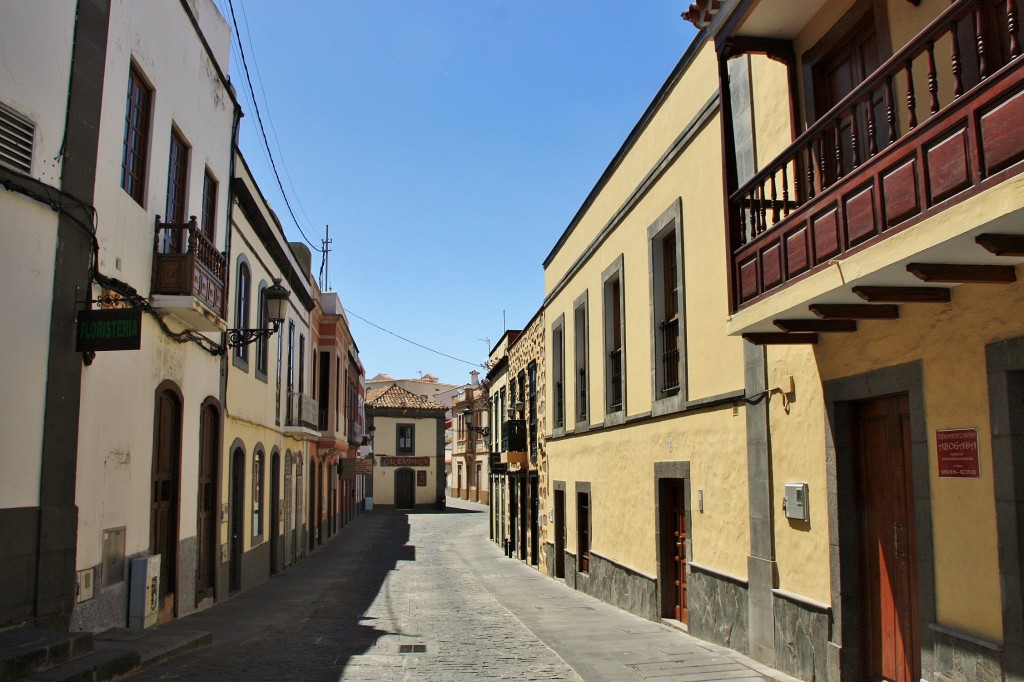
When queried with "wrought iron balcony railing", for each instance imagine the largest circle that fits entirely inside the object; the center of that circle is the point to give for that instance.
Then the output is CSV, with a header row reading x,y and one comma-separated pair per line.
x,y
302,411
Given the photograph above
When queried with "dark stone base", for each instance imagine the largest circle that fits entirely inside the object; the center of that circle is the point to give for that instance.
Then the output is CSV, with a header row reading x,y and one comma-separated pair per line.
x,y
718,609
958,658
570,570
255,566
801,639
19,537
620,586
549,559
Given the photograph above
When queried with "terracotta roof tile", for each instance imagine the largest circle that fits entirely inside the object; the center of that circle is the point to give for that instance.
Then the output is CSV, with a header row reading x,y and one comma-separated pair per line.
x,y
394,396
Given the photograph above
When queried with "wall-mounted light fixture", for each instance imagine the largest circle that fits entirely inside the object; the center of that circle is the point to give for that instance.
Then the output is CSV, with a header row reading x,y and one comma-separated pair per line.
x,y
482,430
275,298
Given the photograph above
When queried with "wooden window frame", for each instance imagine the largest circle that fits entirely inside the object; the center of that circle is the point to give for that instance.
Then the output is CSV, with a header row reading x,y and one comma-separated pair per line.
x,y
399,449
135,151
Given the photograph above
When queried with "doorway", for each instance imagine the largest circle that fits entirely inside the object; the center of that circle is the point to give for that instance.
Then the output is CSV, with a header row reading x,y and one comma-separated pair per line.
x,y
673,535
560,531
289,512
237,532
886,548
165,487
314,507
534,519
405,489
274,531
206,521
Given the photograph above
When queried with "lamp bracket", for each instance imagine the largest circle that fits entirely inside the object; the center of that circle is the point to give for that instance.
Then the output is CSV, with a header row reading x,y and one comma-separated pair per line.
x,y
244,337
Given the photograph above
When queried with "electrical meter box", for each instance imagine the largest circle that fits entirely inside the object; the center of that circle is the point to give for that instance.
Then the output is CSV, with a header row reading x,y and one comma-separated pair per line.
x,y
144,592
795,502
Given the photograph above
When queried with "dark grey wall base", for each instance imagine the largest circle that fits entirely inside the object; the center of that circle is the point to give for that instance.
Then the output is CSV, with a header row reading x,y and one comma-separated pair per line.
x,y
718,609
961,657
801,639
19,533
255,566
549,559
570,570
186,588
621,587
107,609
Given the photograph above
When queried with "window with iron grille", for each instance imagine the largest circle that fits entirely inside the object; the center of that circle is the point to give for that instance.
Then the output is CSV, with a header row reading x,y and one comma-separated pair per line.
x,y
613,338
136,135
666,305
581,347
558,372
242,293
532,407
583,530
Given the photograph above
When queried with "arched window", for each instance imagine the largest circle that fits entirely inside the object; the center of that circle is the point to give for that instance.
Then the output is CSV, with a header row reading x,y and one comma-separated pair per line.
x,y
257,493
242,284
261,322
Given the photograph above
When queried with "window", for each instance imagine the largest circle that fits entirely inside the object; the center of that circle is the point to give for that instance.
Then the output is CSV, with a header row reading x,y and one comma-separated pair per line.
x,y
261,342
242,311
136,135
209,223
613,338
666,292
277,383
532,407
583,529
558,371
406,439
257,494
290,374
177,176
582,384
324,389
503,417
302,363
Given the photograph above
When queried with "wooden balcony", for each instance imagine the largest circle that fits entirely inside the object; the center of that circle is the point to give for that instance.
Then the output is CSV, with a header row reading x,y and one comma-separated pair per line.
x,y
189,276
918,137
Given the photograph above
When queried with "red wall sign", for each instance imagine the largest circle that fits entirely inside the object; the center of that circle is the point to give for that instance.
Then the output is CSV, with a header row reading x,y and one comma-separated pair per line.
x,y
405,461
958,453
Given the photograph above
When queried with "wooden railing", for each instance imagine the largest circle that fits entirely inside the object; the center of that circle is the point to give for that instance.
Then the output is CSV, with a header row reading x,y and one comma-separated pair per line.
x,y
186,263
870,123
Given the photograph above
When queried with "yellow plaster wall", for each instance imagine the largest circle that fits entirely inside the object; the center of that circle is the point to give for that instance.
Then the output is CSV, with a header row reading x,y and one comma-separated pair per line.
x,y
950,341
619,465
385,445
798,456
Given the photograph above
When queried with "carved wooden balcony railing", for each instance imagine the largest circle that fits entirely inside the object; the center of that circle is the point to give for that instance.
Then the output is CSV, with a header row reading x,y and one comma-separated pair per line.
x,y
186,263
871,164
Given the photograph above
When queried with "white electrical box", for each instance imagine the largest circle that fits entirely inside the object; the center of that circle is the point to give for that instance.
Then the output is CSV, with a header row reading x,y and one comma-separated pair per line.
x,y
795,502
144,592
84,585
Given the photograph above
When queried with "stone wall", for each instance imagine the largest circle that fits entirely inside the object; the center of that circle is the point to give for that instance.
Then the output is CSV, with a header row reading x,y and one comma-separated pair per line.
x,y
961,657
801,638
621,587
718,609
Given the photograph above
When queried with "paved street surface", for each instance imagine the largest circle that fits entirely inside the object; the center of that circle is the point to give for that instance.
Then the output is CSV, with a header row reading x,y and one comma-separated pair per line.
x,y
425,596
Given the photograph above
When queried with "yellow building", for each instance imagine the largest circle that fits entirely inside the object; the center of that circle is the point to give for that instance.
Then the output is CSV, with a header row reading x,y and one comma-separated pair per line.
x,y
787,320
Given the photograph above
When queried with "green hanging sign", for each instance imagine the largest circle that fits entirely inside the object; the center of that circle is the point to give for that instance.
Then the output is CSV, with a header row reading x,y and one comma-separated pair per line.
x,y
108,329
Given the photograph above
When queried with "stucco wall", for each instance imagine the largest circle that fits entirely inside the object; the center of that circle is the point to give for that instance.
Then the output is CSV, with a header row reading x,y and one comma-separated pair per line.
x,y
424,445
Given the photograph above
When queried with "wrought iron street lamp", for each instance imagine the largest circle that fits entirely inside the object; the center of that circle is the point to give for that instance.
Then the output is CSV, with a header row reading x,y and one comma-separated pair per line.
x,y
275,300
468,414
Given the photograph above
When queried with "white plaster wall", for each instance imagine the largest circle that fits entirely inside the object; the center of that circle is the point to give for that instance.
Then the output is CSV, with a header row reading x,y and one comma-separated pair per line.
x,y
119,389
37,90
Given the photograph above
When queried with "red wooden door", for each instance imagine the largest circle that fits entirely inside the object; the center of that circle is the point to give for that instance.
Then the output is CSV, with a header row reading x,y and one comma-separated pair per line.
x,y
677,521
886,558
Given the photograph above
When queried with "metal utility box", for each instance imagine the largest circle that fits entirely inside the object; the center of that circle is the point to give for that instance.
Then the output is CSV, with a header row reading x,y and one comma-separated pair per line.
x,y
144,592
795,502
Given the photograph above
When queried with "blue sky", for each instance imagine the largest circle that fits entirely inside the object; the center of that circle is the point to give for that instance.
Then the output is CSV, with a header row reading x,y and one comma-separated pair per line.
x,y
447,144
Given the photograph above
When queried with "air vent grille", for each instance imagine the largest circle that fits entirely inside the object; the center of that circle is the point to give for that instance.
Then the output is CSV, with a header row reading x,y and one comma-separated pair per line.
x,y
17,135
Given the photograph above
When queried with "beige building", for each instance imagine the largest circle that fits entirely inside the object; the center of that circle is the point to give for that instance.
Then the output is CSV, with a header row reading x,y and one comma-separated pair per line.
x,y
408,448
497,381
470,454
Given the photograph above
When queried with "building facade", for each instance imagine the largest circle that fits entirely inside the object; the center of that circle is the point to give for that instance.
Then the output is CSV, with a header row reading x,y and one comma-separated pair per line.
x,y
497,387
470,454
408,448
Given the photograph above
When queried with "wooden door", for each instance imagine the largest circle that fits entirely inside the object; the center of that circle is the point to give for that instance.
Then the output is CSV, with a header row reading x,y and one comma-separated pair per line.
x,y
237,518
314,508
886,566
523,518
289,512
405,489
673,551
513,514
206,523
165,489
274,530
559,533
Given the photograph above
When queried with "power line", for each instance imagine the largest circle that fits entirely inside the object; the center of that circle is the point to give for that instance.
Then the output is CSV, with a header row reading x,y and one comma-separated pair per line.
x,y
420,345
263,131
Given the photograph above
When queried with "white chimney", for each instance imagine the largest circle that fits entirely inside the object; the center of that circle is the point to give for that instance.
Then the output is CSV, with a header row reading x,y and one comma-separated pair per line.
x,y
474,378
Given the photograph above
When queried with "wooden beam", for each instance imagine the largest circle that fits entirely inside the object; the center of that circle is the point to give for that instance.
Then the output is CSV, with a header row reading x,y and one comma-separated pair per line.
x,y
960,273
778,338
855,311
816,325
903,294
1002,244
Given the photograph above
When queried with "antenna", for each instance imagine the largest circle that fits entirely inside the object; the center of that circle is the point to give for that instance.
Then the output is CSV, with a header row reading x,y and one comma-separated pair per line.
x,y
325,251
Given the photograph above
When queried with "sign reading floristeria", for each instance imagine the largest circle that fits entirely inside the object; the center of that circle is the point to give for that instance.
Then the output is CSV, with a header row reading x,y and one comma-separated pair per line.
x,y
405,461
109,329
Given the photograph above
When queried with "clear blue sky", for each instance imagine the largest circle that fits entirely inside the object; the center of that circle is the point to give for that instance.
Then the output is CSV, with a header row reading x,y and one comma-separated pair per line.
x,y
447,144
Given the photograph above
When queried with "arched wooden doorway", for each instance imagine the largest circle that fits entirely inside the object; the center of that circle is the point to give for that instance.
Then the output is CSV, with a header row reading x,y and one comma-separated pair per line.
x,y
314,507
274,531
237,530
405,489
206,521
166,490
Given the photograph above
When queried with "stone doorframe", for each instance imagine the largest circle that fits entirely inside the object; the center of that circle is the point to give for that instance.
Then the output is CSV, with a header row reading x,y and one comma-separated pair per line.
x,y
843,654
670,470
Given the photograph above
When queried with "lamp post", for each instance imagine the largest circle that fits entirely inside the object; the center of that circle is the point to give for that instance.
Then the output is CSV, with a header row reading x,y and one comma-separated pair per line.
x,y
275,298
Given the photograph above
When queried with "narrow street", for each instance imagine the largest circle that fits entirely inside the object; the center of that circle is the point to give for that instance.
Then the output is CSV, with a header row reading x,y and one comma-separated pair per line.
x,y
425,596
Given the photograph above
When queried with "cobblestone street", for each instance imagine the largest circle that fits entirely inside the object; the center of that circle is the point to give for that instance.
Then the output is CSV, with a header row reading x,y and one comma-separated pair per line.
x,y
425,596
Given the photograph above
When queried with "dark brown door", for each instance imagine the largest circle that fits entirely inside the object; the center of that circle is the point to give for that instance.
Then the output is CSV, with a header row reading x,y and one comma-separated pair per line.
x,y
673,550
209,432
886,572
164,510
274,531
314,508
237,527
559,533
405,489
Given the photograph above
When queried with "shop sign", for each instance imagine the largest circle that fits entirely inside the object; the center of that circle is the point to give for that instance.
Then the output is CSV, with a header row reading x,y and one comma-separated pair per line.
x,y
347,469
405,461
108,329
958,453
364,467
421,479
